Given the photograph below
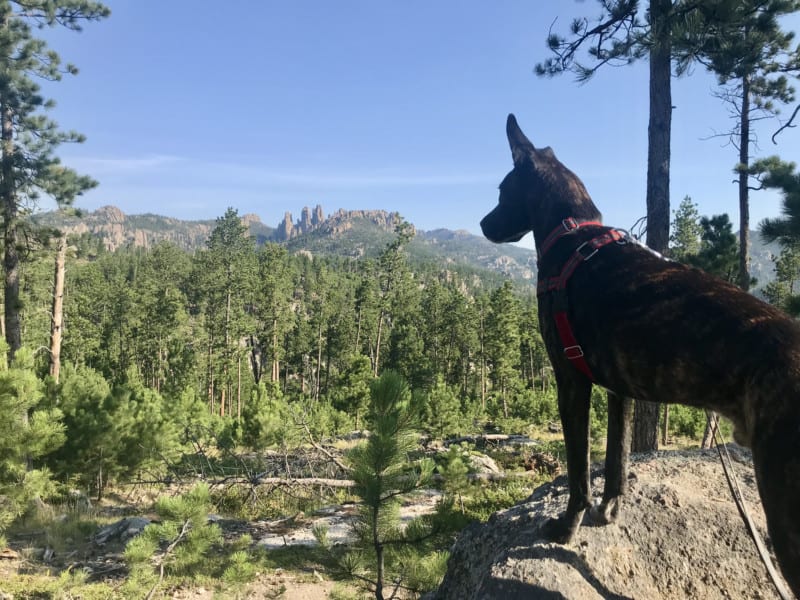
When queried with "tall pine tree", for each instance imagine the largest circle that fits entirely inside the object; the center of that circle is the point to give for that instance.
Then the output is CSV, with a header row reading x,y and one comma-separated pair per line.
x,y
743,44
28,138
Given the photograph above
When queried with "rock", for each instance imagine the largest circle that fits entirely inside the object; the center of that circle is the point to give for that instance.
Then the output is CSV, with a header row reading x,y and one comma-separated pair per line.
x,y
122,530
480,463
679,536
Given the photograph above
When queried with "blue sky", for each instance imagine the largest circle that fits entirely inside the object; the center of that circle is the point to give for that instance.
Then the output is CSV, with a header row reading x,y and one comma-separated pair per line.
x,y
268,106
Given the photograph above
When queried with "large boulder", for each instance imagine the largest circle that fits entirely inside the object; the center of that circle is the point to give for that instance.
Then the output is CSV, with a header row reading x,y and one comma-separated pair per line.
x,y
679,536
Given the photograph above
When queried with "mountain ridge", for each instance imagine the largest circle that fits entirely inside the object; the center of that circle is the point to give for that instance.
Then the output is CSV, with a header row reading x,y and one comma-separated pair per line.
x,y
349,233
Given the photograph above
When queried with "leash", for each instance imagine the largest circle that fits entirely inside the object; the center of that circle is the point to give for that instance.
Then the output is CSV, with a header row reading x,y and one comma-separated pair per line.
x,y
738,498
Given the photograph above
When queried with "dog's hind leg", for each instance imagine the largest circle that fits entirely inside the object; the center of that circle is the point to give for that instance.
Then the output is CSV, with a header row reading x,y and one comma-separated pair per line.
x,y
776,454
618,446
574,395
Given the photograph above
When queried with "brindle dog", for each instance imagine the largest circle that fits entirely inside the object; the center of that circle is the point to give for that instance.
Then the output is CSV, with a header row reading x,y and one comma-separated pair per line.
x,y
644,327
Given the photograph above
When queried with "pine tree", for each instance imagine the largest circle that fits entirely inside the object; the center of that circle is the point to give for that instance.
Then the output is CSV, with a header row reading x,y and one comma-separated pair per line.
x,y
625,32
28,138
226,271
719,250
178,544
503,341
380,469
782,291
28,431
686,231
393,277
744,45
272,306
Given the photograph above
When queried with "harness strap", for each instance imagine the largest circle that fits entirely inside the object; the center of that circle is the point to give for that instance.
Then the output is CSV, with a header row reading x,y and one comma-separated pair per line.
x,y
558,286
567,225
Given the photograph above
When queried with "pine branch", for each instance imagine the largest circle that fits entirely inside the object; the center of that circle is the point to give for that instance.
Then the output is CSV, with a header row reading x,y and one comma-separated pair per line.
x,y
787,125
167,551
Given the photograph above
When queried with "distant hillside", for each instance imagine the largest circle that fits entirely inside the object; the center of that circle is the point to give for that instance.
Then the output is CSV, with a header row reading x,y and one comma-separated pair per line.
x,y
117,230
347,233
354,233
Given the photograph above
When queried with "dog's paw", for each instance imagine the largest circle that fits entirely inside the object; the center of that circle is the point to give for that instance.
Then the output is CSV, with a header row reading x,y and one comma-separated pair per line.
x,y
606,512
560,530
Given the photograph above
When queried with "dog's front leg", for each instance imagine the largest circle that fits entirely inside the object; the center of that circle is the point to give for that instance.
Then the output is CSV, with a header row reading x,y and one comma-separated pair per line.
x,y
574,396
618,445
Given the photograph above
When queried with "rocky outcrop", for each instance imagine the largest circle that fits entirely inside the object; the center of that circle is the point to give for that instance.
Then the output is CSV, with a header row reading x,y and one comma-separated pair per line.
x,y
679,536
336,224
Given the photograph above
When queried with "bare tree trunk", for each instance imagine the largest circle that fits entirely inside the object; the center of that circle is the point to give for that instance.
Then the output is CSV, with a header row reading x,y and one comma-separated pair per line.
x,y
239,388
58,308
379,572
378,344
317,385
276,368
712,421
255,359
210,376
665,425
358,331
744,192
10,209
483,367
645,428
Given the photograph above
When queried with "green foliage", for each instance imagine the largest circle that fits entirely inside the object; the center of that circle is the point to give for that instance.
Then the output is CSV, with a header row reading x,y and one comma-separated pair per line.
x,y
719,248
266,419
782,290
444,414
28,431
352,392
90,451
687,421
382,473
454,470
782,176
503,341
67,585
184,545
686,231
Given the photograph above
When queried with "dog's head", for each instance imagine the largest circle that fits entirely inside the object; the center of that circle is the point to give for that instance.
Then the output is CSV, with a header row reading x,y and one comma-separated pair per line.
x,y
536,195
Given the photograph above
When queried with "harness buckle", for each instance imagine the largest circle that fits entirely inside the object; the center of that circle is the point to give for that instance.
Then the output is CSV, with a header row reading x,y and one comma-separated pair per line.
x,y
573,352
586,257
569,224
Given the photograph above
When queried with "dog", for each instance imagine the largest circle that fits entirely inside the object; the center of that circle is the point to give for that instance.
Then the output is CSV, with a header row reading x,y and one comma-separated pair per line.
x,y
617,314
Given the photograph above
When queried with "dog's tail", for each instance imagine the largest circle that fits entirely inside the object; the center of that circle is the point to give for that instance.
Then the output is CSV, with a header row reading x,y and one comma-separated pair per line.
x,y
777,458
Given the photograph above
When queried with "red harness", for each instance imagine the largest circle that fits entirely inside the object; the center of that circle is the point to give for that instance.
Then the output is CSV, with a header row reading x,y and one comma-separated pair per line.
x,y
558,285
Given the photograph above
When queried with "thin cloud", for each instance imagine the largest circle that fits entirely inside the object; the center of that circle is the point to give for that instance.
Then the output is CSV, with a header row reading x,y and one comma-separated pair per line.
x,y
181,171
124,164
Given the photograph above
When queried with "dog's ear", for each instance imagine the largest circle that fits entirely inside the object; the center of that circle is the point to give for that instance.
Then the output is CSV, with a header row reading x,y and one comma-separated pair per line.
x,y
521,147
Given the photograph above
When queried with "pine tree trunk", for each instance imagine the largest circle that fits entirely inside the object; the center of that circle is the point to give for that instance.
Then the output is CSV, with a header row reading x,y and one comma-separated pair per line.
x,y
744,192
58,308
483,367
10,209
645,429
379,572
317,385
378,344
276,368
255,359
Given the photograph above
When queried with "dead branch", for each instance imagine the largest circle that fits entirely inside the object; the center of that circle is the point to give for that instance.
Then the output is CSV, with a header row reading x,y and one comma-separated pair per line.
x,y
167,551
786,125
